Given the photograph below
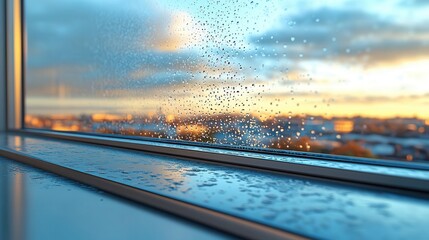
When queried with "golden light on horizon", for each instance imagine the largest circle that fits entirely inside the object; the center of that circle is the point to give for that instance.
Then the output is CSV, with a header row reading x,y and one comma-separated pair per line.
x,y
99,117
343,126
191,128
61,127
36,123
170,118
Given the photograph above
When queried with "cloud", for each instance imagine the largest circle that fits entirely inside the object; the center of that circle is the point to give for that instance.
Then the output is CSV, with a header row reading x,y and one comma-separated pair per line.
x,y
183,32
415,3
96,45
382,99
351,99
347,35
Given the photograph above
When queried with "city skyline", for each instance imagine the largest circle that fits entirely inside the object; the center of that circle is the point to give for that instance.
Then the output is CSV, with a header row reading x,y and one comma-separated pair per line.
x,y
404,139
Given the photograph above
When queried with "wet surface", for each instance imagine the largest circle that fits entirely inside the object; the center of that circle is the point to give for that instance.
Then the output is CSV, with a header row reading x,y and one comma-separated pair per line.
x,y
310,207
302,160
38,205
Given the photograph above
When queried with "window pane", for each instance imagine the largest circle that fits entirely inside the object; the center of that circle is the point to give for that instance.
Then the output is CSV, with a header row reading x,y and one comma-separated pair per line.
x,y
318,76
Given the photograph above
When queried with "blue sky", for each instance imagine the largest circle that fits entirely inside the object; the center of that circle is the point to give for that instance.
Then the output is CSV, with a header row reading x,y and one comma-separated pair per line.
x,y
198,57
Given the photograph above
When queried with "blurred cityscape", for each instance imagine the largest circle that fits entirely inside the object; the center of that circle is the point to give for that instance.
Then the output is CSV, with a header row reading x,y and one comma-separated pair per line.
x,y
404,139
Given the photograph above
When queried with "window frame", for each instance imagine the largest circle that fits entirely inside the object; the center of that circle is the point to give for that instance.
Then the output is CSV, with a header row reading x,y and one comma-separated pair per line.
x,y
3,56
14,64
15,117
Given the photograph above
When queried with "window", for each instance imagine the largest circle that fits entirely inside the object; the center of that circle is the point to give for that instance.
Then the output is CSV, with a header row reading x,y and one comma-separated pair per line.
x,y
325,77
226,92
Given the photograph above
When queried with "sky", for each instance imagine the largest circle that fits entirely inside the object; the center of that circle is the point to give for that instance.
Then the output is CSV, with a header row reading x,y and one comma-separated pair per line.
x,y
331,58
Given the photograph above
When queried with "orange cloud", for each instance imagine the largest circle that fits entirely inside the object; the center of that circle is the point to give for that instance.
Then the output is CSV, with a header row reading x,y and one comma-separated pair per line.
x,y
183,32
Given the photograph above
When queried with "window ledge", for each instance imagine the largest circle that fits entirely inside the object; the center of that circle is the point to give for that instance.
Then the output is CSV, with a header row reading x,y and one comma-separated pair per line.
x,y
387,173
247,201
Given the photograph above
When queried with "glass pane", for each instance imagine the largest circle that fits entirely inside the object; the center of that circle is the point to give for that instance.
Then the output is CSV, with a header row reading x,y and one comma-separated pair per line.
x,y
320,76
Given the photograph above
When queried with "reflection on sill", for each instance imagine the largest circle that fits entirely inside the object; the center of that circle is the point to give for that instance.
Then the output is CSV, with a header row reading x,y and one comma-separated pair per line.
x,y
39,205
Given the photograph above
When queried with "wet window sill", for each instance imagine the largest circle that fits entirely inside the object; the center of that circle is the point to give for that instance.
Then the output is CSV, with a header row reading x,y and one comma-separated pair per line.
x,y
297,204
392,174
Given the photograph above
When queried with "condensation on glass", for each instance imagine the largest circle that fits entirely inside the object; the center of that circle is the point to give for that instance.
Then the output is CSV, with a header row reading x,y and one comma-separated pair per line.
x,y
328,77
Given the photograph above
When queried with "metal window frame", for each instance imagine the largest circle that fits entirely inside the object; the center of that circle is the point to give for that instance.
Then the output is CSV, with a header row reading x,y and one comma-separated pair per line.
x,y
14,63
3,81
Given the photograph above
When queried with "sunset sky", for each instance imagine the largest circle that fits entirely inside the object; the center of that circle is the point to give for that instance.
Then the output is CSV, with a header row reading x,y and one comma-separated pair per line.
x,y
333,58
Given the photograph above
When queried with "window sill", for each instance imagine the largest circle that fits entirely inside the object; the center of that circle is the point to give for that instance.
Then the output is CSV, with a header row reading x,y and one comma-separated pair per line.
x,y
387,173
247,201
